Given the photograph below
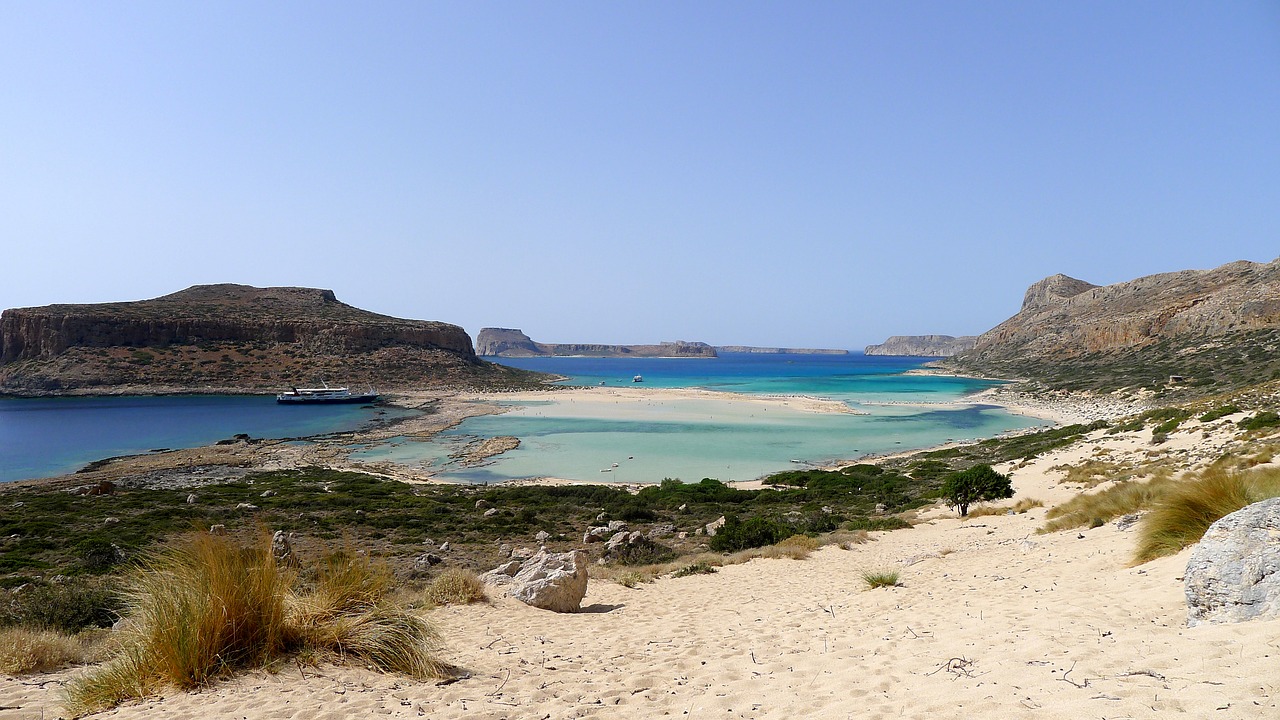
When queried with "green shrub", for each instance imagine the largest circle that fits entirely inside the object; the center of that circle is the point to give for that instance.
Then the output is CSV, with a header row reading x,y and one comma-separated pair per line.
x,y
977,484
755,531
1219,412
66,607
1264,419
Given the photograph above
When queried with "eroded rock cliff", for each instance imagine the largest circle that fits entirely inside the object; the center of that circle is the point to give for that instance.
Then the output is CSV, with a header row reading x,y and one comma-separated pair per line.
x,y
1210,329
227,338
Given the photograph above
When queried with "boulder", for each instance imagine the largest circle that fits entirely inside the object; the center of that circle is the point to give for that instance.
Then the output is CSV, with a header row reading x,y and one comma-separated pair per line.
x,y
502,574
596,534
542,536
1234,571
282,549
552,581
491,512
715,525
616,525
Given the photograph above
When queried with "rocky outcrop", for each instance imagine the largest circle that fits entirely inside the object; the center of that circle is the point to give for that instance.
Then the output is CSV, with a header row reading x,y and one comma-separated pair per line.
x,y
1233,574
551,581
225,337
1214,328
748,349
923,345
509,342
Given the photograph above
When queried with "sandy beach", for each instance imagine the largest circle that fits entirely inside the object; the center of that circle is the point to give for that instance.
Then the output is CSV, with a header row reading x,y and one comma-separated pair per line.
x,y
990,618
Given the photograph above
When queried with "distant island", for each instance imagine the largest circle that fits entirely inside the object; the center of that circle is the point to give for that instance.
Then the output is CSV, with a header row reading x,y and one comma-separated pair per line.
x,y
511,342
923,345
232,339
779,351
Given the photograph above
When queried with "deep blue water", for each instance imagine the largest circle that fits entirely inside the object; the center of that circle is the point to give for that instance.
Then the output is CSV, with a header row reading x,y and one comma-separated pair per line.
x,y
42,437
854,377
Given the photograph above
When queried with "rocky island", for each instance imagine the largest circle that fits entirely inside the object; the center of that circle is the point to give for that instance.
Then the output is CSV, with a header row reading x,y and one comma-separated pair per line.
x,y
510,342
232,339
922,345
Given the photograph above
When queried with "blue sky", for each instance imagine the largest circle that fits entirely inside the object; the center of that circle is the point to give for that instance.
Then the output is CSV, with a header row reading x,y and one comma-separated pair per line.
x,y
812,173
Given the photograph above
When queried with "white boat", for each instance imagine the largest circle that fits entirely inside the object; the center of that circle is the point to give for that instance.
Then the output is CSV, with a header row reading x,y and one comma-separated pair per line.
x,y
325,394
637,378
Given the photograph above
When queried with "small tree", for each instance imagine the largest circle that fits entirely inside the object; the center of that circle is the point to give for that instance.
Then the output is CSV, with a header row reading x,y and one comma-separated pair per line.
x,y
977,484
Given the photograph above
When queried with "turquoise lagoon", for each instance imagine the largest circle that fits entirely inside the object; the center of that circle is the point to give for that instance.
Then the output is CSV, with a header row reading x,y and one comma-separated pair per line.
x,y
691,438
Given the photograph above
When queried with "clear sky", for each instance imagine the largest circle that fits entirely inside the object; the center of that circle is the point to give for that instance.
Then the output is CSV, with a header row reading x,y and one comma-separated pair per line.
x,y
769,173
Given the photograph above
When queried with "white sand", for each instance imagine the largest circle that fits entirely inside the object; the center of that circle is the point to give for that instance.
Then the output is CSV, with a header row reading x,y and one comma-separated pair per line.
x,y
991,620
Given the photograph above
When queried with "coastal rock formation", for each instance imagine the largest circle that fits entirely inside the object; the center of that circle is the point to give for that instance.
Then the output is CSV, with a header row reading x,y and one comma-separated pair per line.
x,y
923,345
551,581
1234,571
1205,329
227,338
509,342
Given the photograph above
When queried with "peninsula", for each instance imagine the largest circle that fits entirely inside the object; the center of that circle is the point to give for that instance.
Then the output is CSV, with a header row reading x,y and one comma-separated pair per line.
x,y
232,339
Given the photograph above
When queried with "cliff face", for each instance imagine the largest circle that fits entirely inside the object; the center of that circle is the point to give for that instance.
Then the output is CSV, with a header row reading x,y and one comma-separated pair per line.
x,y
1216,327
225,337
509,342
923,345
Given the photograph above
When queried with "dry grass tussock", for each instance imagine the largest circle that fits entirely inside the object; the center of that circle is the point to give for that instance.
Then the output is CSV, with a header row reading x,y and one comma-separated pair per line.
x,y
455,586
1186,509
1017,508
204,606
24,651
1097,508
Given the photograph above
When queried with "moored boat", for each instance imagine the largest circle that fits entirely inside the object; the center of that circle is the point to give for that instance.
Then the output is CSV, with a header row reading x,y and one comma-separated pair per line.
x,y
325,394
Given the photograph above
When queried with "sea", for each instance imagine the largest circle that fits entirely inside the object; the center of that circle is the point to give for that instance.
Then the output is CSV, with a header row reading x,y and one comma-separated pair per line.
x,y
627,441
44,437
689,439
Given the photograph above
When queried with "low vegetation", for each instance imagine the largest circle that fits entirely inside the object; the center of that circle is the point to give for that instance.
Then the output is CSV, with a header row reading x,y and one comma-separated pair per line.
x,y
1017,508
204,606
24,650
1186,508
873,579
456,586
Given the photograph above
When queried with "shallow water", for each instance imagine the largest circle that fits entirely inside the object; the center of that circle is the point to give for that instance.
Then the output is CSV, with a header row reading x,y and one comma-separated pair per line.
x,y
647,440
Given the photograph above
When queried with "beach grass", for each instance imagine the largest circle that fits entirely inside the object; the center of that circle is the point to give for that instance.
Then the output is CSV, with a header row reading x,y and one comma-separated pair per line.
x,y
26,651
204,606
1186,509
455,586
1017,508
873,579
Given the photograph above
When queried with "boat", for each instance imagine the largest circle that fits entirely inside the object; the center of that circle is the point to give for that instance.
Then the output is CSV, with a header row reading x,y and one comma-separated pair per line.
x,y
326,394
637,378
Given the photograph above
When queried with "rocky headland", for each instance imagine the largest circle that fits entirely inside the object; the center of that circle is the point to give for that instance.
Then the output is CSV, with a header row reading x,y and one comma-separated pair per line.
x,y
1192,332
922,345
232,338
510,342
